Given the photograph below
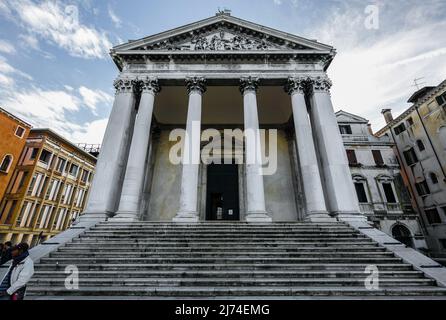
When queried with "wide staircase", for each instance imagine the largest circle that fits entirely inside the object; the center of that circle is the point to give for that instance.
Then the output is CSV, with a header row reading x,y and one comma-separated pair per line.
x,y
225,260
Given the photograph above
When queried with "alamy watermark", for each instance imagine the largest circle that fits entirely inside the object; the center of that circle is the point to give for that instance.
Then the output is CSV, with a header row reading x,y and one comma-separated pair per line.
x,y
212,146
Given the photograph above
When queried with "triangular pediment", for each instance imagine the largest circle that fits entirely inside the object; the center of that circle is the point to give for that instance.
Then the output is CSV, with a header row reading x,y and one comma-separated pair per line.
x,y
223,33
344,116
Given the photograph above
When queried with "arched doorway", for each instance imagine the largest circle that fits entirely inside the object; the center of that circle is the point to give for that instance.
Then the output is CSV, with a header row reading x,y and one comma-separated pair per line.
x,y
402,234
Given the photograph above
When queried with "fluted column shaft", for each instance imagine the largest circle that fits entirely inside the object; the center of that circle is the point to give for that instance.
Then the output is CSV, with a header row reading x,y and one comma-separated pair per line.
x,y
339,187
255,192
132,187
311,178
107,180
188,210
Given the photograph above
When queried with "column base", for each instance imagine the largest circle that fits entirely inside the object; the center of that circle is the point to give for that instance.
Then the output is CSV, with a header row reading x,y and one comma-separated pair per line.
x,y
95,216
351,216
186,217
319,216
258,217
125,216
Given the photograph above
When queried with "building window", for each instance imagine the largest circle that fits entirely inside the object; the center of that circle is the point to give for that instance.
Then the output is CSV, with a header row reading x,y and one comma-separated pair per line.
x,y
443,243
345,129
360,192
400,128
74,170
422,188
351,155
441,99
45,156
410,156
410,121
84,175
378,157
34,153
420,145
432,216
433,178
6,163
61,164
20,132
388,192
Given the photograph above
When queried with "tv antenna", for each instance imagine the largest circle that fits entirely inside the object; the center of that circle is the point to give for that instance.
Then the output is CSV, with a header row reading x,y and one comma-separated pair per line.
x,y
418,83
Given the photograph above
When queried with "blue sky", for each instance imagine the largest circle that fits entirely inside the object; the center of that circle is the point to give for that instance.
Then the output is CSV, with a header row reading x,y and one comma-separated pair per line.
x,y
55,70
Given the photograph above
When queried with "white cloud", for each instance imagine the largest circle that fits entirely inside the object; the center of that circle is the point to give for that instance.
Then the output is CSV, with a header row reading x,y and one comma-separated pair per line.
x,y
92,97
115,19
60,26
6,47
278,2
57,110
374,69
91,132
7,72
30,41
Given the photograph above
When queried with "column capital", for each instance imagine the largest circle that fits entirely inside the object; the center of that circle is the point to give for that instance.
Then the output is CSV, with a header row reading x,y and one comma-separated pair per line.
x,y
196,84
320,83
248,84
149,85
296,85
125,85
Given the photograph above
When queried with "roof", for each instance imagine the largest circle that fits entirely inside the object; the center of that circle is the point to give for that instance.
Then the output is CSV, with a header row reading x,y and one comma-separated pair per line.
x,y
419,94
10,115
419,101
64,140
294,44
352,116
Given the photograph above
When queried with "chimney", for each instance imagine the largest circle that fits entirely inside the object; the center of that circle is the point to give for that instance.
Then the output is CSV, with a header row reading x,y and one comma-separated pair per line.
x,y
387,113
369,128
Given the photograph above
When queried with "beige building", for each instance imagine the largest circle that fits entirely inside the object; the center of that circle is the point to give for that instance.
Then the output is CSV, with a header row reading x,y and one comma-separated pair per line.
x,y
420,137
47,190
382,195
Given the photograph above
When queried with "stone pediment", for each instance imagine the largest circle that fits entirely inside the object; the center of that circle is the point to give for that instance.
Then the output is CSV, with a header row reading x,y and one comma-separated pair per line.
x,y
220,40
223,33
344,116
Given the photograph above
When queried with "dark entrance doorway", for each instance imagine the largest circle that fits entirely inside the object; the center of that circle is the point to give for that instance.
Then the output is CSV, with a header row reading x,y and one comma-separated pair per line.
x,y
222,202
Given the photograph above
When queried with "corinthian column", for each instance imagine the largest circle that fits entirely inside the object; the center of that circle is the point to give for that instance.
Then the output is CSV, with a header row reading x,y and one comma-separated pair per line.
x,y
188,211
132,187
106,185
255,193
313,191
339,187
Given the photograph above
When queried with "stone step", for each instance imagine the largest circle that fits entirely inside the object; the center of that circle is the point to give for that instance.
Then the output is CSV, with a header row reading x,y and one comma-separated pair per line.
x,y
78,249
199,282
226,238
238,230
74,260
197,243
227,273
228,254
235,291
219,224
275,233
127,267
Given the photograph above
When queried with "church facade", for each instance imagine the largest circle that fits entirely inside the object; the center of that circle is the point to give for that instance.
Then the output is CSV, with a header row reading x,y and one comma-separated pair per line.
x,y
267,88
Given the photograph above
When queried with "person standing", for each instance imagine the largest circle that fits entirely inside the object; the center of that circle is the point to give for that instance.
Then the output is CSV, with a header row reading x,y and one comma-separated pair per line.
x,y
13,285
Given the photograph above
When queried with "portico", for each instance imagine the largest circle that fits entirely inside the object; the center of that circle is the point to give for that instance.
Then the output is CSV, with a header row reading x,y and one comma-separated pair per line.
x,y
223,73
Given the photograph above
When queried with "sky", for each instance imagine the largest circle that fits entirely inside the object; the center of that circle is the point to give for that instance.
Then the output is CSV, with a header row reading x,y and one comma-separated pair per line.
x,y
56,72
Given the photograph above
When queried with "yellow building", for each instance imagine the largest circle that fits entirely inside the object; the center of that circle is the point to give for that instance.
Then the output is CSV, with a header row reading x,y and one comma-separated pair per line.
x,y
48,189
419,134
13,134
